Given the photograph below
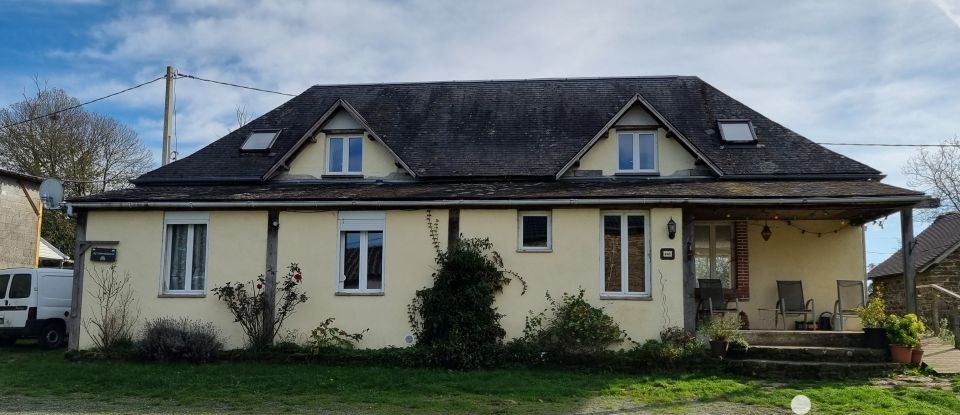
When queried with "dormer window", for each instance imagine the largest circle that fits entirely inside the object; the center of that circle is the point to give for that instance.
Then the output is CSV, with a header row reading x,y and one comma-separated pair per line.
x,y
637,152
737,131
345,155
260,140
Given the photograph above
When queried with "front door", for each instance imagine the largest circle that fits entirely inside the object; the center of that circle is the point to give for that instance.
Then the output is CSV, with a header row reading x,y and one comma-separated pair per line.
x,y
17,301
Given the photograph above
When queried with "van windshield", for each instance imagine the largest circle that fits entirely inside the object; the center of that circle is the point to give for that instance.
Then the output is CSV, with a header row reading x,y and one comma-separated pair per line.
x,y
4,279
20,286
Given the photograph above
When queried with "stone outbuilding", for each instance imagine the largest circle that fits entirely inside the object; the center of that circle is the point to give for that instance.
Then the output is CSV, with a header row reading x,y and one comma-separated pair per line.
x,y
20,217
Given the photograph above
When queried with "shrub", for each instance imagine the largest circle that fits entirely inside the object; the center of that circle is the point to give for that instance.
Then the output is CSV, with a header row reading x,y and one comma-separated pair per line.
x,y
454,321
248,304
667,353
116,312
723,329
678,337
572,325
327,336
873,315
172,340
904,331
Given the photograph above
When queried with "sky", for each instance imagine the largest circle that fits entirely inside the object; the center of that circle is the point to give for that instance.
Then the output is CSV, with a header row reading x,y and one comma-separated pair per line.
x,y
853,71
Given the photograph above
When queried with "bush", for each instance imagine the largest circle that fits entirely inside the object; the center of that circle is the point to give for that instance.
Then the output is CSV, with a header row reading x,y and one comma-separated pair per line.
x,y
454,321
723,329
248,304
904,331
173,340
873,315
572,325
327,336
113,320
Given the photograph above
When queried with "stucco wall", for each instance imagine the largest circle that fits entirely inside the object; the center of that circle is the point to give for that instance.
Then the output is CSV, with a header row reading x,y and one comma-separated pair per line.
x,y
18,224
791,255
603,155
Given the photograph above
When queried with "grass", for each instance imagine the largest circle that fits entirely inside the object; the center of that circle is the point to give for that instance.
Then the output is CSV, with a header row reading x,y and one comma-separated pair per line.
x,y
45,382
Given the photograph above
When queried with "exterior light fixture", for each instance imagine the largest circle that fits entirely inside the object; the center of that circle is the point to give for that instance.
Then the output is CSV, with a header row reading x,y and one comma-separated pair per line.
x,y
672,229
766,233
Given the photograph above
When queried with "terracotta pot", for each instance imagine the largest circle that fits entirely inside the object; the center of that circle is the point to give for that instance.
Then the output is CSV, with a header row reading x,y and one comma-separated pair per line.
x,y
719,348
916,357
900,353
875,337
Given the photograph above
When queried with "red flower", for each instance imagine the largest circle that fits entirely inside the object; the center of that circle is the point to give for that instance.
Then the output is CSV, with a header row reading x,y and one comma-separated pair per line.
x,y
297,277
259,286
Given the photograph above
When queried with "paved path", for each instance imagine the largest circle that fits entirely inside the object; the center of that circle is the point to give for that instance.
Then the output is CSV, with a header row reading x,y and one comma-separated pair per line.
x,y
942,357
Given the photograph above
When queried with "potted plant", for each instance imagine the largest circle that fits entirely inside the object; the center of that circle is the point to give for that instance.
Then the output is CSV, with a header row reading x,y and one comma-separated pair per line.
x,y
872,316
721,331
903,333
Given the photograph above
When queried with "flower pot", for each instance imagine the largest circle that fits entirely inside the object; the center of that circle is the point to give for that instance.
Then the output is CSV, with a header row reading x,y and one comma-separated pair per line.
x,y
900,353
875,337
719,348
916,357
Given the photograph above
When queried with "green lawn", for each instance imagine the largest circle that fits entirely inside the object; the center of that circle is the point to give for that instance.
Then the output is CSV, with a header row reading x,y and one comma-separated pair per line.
x,y
34,381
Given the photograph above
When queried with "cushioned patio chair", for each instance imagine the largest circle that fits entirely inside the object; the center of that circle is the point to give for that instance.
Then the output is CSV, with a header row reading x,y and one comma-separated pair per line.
x,y
850,295
792,302
712,301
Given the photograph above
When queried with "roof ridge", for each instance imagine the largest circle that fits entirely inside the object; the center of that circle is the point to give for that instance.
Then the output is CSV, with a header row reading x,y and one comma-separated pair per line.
x,y
495,80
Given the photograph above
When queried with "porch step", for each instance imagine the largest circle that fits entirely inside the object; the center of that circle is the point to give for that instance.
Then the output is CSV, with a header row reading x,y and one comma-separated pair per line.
x,y
803,338
781,369
816,354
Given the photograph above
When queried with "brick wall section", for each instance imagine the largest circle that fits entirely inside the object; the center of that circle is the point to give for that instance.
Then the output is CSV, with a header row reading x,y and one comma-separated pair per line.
x,y
18,224
741,255
945,274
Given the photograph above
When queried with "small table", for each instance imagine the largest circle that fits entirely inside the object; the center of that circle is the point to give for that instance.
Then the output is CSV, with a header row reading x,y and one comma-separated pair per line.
x,y
765,314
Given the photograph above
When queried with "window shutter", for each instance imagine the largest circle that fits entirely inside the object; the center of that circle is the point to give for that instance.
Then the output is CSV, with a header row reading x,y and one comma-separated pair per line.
x,y
742,260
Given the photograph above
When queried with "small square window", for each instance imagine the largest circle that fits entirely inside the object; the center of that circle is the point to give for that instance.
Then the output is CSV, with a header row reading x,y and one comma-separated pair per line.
x,y
736,131
637,152
260,140
534,231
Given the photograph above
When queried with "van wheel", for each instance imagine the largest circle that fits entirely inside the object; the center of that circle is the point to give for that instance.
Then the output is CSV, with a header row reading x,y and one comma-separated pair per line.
x,y
8,341
51,336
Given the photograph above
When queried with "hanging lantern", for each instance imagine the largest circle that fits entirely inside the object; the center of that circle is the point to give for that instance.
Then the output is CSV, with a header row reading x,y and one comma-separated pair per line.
x,y
766,233
672,229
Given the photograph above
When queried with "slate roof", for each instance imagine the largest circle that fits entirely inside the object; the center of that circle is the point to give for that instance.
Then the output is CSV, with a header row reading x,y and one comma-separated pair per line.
x,y
941,236
348,192
514,128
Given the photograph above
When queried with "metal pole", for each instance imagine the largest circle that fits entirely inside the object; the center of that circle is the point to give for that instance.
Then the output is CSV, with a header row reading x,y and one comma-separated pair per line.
x,y
909,263
168,114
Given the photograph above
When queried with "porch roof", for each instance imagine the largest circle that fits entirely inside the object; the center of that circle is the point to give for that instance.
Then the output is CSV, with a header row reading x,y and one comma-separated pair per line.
x,y
753,194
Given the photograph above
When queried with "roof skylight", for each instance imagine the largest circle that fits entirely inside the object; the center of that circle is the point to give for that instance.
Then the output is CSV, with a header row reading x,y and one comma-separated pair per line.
x,y
736,131
260,140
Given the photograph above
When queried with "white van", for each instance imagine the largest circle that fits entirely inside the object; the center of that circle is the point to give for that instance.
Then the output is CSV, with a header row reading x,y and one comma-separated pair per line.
x,y
35,302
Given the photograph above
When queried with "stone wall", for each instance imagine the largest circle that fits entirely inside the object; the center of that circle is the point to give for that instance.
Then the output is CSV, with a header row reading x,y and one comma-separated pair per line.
x,y
18,224
945,274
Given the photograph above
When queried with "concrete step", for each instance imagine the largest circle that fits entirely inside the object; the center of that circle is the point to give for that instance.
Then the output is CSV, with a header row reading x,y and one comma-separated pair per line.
x,y
781,369
803,338
816,354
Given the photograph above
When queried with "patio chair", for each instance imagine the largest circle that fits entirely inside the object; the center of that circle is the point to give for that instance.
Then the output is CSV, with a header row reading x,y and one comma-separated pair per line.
x,y
712,301
792,302
850,295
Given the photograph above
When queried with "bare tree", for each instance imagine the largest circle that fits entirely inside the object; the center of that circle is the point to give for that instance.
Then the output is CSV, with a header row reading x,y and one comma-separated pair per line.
x,y
937,171
117,309
90,152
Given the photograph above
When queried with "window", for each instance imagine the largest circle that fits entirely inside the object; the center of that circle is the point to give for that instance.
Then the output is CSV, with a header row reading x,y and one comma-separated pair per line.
x,y
20,286
713,252
535,233
346,155
259,140
737,131
637,152
4,279
185,253
626,253
361,252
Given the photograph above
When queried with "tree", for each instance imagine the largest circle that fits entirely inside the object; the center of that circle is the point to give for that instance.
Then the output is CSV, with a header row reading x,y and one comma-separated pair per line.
x,y
937,171
90,152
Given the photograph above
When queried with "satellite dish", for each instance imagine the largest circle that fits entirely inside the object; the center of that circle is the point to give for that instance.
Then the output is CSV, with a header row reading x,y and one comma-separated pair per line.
x,y
51,193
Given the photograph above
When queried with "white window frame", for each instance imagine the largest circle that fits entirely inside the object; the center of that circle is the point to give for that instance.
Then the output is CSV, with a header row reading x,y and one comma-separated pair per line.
x,y
355,221
636,151
184,218
624,260
534,213
345,155
713,249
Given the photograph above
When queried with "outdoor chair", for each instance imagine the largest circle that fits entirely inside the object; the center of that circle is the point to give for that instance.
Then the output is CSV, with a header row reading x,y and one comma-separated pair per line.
x,y
712,301
850,296
792,302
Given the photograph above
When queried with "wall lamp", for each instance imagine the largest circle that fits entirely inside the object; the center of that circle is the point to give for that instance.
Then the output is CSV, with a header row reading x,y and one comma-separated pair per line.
x,y
672,229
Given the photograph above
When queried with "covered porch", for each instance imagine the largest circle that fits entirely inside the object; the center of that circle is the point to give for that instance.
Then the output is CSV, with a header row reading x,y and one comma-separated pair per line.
x,y
784,266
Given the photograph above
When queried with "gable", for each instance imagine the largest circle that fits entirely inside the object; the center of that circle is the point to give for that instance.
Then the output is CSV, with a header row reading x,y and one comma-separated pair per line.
x,y
341,120
636,116
602,158
312,161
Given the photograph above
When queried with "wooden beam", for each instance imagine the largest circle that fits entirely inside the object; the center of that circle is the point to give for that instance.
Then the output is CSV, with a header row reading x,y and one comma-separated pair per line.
x,y
26,193
689,276
73,326
270,274
909,259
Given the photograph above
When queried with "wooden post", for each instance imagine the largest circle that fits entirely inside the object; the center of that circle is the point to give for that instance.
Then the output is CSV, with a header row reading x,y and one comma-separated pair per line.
x,y
74,324
168,115
270,274
935,323
689,275
909,263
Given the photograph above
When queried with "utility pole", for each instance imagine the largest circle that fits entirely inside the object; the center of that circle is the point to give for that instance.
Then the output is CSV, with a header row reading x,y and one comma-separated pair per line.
x,y
168,115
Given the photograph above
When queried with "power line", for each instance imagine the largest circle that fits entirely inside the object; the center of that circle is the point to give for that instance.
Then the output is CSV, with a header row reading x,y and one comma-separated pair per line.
x,y
234,85
889,145
82,104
